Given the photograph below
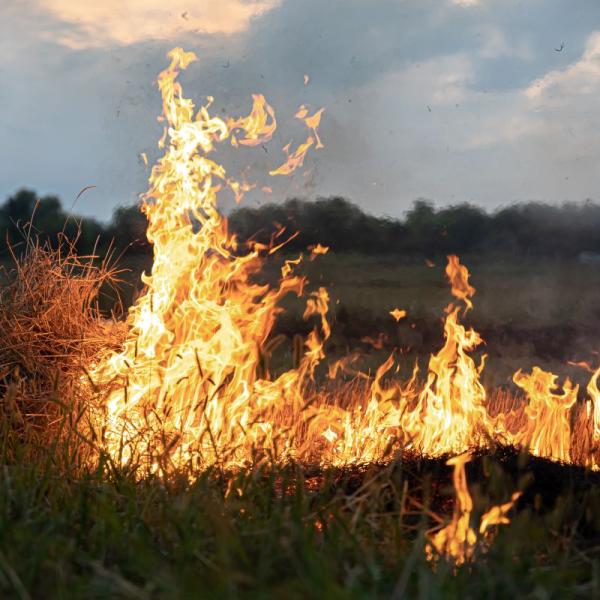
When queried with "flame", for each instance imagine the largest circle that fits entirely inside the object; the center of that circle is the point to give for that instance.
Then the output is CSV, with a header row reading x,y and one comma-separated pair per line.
x,y
312,122
459,280
192,385
295,159
458,541
398,314
594,394
450,415
258,127
186,386
548,430
317,250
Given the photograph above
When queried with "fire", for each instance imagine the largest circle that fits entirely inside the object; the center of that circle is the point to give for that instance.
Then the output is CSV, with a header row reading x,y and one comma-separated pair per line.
x,y
185,386
458,541
316,250
191,387
312,122
398,314
258,127
450,415
548,430
295,159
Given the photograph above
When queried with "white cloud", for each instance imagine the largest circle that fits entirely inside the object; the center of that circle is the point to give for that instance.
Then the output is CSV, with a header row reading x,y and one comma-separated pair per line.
x,y
450,141
580,78
129,21
466,3
496,44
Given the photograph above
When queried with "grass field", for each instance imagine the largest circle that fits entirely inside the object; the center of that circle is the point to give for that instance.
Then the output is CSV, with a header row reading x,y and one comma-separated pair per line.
x,y
280,533
536,311
297,532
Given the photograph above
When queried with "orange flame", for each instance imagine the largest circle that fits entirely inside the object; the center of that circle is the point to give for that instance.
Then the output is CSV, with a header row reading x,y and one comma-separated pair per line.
x,y
311,122
316,250
258,127
548,430
459,280
294,160
185,387
191,386
398,314
458,541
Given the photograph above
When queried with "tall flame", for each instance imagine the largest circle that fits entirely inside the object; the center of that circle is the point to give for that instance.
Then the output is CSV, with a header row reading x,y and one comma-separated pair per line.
x,y
185,385
191,385
450,415
548,430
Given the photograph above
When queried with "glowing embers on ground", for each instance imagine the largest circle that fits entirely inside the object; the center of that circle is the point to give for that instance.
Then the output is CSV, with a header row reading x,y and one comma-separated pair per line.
x,y
190,388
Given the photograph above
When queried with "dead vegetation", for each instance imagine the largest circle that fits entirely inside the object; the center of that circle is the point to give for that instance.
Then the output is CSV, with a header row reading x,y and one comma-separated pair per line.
x,y
51,328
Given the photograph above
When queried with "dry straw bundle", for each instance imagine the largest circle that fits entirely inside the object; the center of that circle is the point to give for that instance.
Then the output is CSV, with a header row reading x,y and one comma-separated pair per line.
x,y
52,328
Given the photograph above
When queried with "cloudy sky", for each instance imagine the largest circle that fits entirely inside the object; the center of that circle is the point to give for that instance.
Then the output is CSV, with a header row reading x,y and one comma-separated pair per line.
x,y
487,101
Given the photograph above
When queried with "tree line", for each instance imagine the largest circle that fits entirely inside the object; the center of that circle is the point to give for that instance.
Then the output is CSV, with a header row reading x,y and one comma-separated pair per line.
x,y
25,216
531,228
524,229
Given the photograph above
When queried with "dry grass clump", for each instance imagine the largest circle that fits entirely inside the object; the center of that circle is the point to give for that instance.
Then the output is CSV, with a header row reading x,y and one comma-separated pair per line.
x,y
52,328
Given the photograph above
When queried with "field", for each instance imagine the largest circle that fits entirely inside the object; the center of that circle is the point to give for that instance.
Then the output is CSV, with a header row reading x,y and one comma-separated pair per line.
x,y
296,531
280,533
529,312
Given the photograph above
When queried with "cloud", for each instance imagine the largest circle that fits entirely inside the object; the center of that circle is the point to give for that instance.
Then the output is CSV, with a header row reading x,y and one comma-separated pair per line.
x,y
579,78
496,44
465,3
95,24
446,138
77,117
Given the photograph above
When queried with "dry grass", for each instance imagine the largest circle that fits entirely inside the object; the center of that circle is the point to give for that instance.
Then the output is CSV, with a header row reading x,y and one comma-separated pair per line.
x,y
51,329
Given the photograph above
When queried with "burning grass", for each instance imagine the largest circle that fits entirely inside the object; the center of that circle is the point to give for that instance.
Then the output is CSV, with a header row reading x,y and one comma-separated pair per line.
x,y
180,400
269,528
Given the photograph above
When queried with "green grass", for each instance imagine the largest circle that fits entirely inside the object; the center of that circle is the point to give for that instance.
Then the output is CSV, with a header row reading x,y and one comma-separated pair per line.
x,y
273,533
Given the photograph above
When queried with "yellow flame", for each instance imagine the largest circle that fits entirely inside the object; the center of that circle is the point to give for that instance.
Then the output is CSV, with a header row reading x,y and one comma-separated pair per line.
x,y
398,314
317,250
295,159
548,430
312,122
192,384
258,127
459,280
186,386
458,541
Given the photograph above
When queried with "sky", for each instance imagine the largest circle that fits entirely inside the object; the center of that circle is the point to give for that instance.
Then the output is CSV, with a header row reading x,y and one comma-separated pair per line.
x,y
482,101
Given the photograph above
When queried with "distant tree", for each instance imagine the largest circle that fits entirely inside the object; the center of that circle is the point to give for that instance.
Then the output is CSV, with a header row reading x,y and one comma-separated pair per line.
x,y
531,228
422,228
128,229
25,213
462,228
19,208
